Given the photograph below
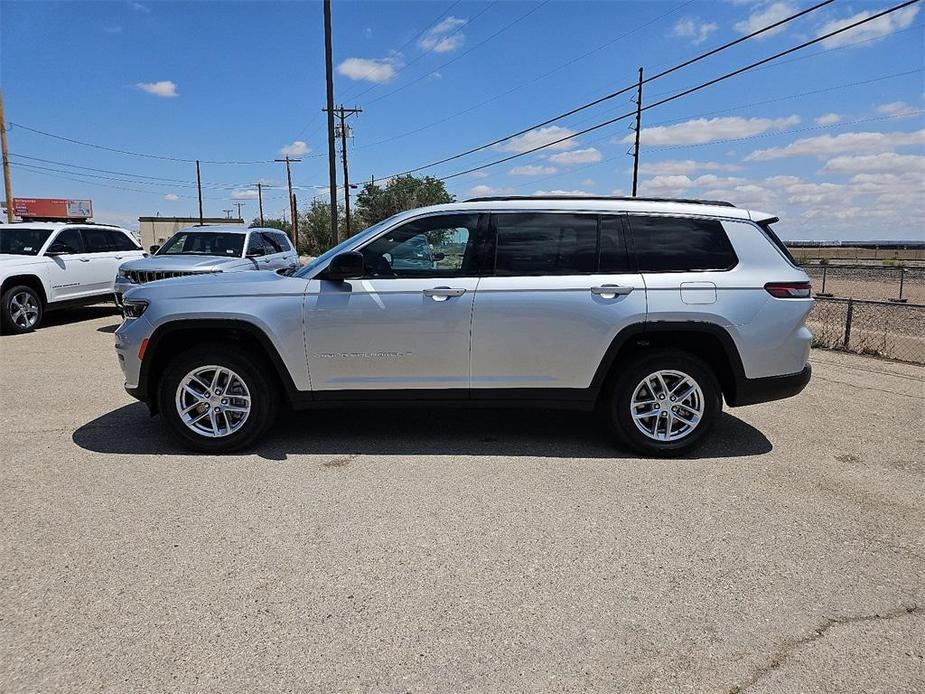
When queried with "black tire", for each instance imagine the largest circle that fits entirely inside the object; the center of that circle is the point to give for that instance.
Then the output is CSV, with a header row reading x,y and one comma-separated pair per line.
x,y
250,368
619,410
7,318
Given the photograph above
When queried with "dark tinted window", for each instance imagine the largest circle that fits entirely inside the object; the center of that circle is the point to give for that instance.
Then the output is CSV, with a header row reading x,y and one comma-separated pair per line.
x,y
546,244
119,241
613,247
204,243
677,244
437,246
282,240
70,238
96,240
22,240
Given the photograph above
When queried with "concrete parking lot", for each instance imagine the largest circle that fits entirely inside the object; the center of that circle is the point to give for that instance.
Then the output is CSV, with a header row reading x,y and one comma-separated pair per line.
x,y
444,551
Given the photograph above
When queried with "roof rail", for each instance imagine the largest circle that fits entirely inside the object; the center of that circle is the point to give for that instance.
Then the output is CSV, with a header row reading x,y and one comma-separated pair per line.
x,y
499,198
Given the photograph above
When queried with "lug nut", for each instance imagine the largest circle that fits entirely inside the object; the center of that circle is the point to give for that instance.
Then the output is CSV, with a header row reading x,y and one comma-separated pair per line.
x,y
224,401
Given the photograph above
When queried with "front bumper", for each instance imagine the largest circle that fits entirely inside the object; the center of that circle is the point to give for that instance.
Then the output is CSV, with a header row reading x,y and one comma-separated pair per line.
x,y
750,391
119,287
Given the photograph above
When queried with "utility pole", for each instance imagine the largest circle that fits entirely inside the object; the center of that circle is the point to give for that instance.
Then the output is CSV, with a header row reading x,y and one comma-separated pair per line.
x,y
7,184
199,188
638,130
329,80
293,213
260,201
342,114
227,214
239,205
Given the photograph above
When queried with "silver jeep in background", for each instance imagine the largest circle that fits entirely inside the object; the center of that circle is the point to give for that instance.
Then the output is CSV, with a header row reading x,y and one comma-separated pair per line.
x,y
207,250
652,312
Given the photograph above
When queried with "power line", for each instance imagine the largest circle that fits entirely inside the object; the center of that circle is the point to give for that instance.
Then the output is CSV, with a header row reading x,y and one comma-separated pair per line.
x,y
130,153
690,90
624,90
528,82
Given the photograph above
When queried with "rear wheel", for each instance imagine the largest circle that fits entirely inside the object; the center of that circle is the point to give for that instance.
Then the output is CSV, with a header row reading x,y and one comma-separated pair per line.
x,y
22,309
664,404
217,399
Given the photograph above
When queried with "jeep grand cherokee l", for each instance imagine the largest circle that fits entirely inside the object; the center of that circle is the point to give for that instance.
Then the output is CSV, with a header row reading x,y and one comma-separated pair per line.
x,y
652,311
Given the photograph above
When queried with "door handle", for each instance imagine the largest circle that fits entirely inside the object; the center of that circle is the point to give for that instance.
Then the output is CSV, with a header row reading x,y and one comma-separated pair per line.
x,y
609,291
118,257
443,293
84,260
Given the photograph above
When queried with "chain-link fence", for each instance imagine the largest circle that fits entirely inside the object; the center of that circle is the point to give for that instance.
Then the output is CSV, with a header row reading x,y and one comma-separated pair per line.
x,y
878,328
880,282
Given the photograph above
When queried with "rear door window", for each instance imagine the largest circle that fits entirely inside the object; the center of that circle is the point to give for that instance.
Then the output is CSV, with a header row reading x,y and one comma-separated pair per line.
x,y
613,255
96,240
545,244
680,244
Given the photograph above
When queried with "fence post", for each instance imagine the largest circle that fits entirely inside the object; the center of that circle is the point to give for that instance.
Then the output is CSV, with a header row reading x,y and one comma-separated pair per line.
x,y
902,276
848,317
825,269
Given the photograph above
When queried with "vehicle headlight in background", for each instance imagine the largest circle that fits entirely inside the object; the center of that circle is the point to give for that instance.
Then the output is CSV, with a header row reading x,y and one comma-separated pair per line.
x,y
134,309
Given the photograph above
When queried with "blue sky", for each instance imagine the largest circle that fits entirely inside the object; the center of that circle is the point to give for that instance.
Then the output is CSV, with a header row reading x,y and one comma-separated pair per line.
x,y
830,138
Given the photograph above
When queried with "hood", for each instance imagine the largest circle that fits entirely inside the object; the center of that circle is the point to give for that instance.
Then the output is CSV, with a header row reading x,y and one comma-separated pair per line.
x,y
258,282
174,263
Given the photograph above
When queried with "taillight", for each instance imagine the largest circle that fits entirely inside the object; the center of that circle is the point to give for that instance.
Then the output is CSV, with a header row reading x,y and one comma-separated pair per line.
x,y
789,290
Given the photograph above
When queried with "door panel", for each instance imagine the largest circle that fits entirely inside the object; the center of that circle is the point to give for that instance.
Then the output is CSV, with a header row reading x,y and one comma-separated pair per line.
x,y
70,275
396,333
549,332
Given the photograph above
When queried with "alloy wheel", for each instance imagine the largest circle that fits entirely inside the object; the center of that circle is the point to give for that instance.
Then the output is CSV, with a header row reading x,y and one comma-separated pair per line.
x,y
24,310
213,401
667,405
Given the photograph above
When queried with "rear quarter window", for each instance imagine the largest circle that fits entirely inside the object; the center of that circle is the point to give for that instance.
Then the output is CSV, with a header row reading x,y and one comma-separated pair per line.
x,y
680,244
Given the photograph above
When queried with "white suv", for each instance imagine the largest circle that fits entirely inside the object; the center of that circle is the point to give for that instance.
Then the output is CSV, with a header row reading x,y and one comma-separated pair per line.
x,y
652,311
48,265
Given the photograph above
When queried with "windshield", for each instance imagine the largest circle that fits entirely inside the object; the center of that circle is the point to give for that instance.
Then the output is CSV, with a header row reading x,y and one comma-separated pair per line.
x,y
204,243
323,259
23,241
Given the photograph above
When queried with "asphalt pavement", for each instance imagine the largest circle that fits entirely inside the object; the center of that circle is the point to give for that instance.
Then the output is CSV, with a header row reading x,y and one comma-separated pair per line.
x,y
408,550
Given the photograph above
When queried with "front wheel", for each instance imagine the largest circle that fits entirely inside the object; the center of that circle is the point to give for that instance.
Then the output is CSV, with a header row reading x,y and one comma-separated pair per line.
x,y
664,404
21,311
217,399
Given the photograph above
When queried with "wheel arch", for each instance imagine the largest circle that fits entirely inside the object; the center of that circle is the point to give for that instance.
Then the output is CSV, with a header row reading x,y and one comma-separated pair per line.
x,y
710,342
29,280
173,337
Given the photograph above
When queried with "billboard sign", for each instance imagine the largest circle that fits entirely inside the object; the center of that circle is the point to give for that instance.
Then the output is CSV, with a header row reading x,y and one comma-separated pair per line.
x,y
52,208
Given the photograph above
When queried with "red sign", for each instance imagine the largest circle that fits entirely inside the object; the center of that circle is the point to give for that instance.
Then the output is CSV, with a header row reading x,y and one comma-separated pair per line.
x,y
52,208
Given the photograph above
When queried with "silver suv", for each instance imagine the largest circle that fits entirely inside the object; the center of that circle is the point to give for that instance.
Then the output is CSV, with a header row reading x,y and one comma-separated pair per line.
x,y
652,311
209,249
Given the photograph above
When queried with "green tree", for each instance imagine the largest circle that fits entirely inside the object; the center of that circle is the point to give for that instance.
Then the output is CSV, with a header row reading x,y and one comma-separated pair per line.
x,y
375,203
280,224
315,227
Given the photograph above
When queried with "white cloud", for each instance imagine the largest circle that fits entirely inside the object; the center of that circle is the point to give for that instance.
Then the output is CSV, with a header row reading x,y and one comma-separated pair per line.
x,y
478,174
679,183
828,119
878,28
444,37
482,190
244,195
577,156
378,70
561,192
897,108
826,145
138,7
702,130
164,88
693,28
540,137
765,16
885,162
684,166
295,149
532,170
171,197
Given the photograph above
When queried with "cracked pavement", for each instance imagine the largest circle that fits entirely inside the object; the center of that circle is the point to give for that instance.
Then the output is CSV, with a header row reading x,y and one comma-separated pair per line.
x,y
452,550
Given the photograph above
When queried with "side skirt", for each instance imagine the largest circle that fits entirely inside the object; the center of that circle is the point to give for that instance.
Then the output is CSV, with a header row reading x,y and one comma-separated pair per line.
x,y
542,398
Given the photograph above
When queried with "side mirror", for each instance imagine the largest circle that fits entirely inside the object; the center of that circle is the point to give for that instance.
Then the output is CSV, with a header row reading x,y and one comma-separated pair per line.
x,y
154,249
256,253
439,256
58,248
346,266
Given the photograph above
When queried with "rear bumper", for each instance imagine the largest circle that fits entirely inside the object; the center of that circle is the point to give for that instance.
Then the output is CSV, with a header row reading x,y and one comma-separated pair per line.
x,y
750,391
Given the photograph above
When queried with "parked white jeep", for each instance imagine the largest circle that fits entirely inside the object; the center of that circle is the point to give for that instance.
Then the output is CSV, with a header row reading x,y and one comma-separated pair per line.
x,y
49,265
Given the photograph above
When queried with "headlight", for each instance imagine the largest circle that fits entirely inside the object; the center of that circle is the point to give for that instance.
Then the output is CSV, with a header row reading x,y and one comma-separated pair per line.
x,y
133,309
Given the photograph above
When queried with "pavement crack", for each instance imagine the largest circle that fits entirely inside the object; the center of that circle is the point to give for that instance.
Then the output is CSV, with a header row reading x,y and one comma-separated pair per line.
x,y
788,648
